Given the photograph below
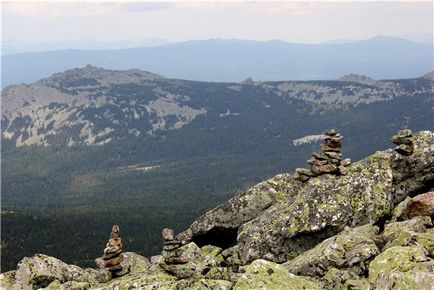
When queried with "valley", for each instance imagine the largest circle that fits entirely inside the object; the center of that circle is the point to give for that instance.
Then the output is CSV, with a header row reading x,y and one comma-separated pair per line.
x,y
90,147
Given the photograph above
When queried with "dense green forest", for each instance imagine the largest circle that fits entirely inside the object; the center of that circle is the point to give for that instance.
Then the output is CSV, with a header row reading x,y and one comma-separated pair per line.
x,y
62,201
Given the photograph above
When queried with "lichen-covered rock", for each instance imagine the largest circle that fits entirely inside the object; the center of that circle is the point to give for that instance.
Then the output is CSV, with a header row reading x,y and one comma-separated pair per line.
x,y
406,233
400,259
262,274
340,279
242,208
399,213
40,271
323,207
351,249
71,285
411,280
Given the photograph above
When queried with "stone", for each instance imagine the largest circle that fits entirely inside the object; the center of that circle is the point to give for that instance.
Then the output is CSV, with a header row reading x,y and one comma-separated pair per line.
x,y
113,261
319,156
405,149
334,143
421,205
115,268
402,137
345,162
40,271
404,140
334,155
305,171
168,234
157,259
218,273
171,247
352,248
330,132
407,233
325,147
108,254
314,161
400,260
262,274
410,280
343,170
400,212
301,177
328,168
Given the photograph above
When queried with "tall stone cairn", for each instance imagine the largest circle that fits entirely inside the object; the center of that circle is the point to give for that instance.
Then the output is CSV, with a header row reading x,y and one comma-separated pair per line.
x,y
328,160
112,256
404,140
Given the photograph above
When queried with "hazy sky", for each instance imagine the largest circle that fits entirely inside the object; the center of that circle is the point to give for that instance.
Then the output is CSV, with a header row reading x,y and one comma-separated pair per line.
x,y
301,21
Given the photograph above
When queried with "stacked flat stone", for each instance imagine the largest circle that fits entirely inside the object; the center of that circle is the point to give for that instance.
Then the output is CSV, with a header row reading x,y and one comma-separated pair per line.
x,y
113,252
404,140
170,244
328,160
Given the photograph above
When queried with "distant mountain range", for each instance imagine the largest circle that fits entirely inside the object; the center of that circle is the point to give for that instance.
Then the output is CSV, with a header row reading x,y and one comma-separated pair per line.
x,y
235,60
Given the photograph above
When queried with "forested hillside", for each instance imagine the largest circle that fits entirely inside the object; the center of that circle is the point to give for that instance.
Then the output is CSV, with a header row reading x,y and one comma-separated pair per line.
x,y
173,150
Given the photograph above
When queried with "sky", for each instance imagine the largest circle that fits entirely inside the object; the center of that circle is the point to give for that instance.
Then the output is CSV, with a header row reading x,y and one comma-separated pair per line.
x,y
299,21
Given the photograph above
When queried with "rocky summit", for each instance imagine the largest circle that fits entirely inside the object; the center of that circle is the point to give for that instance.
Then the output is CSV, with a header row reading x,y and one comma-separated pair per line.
x,y
371,228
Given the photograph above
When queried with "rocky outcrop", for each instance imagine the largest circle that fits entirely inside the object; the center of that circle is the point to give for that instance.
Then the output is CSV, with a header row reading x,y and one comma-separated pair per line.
x,y
369,229
281,218
40,271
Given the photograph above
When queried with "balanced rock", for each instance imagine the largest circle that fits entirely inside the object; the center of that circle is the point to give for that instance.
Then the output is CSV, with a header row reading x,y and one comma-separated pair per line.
x,y
112,252
168,234
404,140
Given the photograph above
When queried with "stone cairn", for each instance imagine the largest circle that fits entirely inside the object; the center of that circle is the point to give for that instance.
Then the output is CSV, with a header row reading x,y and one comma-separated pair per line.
x,y
404,140
170,245
112,253
328,160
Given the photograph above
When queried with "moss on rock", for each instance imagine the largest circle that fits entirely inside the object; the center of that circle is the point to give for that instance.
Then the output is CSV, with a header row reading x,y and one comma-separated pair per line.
x,y
400,259
262,274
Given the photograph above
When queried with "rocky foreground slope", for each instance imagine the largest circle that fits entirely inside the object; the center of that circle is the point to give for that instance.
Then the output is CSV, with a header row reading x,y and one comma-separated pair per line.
x,y
369,229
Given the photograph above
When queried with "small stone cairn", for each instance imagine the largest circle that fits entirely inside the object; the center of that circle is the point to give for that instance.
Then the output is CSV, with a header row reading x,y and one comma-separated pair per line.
x,y
112,253
170,245
404,140
328,160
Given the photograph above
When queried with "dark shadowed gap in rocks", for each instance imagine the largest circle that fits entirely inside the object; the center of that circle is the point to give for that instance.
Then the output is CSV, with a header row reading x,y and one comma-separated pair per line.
x,y
220,237
382,222
427,185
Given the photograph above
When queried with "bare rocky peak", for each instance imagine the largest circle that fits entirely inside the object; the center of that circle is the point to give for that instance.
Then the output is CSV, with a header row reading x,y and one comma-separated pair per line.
x,y
428,76
356,78
92,75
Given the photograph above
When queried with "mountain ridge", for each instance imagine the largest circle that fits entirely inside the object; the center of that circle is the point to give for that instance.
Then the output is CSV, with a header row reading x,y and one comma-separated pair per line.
x,y
93,105
226,60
